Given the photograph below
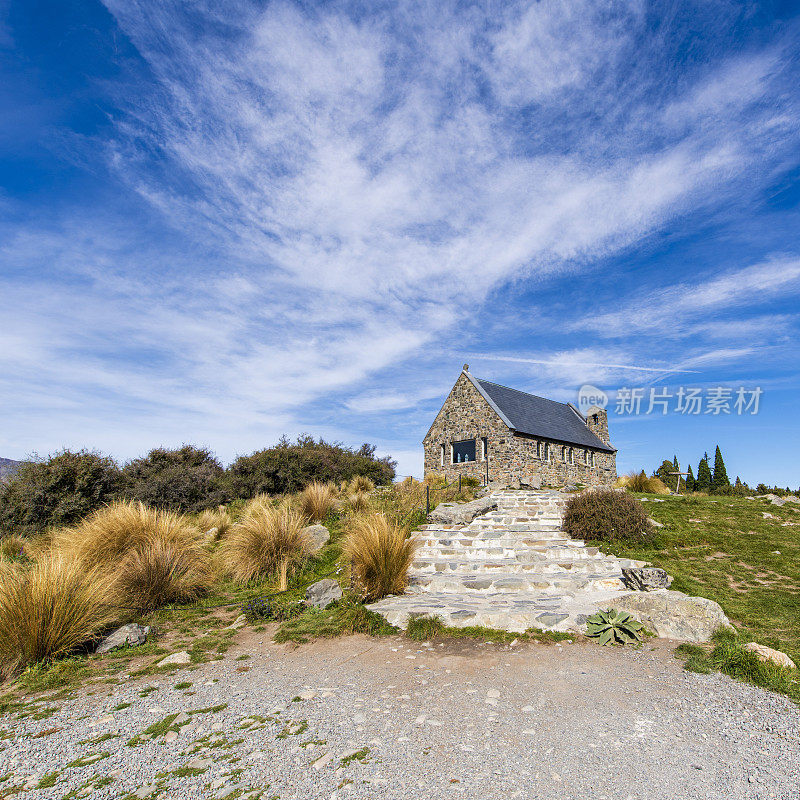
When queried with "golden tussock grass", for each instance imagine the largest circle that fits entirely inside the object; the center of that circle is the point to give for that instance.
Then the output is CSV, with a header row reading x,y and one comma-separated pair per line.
x,y
50,609
317,500
108,534
357,503
379,553
150,557
266,541
360,483
641,482
216,522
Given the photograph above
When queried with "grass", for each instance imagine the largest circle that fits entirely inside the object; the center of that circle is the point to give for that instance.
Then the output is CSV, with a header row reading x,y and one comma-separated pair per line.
x,y
641,482
110,533
729,656
317,500
346,617
266,541
427,628
724,548
218,520
380,553
49,610
160,572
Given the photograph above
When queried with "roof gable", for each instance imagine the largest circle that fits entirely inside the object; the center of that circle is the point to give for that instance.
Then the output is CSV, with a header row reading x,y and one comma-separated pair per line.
x,y
537,416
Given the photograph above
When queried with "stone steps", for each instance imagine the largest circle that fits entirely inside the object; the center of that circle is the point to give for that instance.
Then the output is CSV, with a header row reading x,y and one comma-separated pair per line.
x,y
511,568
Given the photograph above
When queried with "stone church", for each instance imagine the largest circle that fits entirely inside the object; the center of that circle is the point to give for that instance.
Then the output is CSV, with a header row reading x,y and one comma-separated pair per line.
x,y
503,435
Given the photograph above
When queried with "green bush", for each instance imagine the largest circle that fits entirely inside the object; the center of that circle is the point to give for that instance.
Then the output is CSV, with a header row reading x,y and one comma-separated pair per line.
x,y
290,466
606,515
187,480
55,491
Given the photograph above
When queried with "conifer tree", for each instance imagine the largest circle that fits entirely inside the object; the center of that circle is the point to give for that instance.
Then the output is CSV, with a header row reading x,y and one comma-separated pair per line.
x,y
691,484
720,478
675,463
704,477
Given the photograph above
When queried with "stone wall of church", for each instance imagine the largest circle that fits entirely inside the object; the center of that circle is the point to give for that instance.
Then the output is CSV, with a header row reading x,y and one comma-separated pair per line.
x,y
512,457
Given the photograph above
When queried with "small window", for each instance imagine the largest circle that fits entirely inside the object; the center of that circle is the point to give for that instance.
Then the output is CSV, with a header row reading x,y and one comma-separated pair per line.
x,y
538,449
586,457
564,454
484,448
441,456
594,418
463,451
591,458
546,451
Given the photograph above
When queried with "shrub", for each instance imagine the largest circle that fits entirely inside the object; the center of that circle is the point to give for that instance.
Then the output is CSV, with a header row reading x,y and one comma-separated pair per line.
x,y
290,466
160,572
641,482
187,479
266,541
49,610
379,553
218,520
55,491
316,500
105,537
606,515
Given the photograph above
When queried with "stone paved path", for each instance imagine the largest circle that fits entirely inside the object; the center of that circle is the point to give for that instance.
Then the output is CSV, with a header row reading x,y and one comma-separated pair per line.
x,y
510,569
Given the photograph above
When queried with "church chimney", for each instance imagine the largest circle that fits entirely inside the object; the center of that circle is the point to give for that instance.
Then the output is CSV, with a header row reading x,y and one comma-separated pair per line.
x,y
597,423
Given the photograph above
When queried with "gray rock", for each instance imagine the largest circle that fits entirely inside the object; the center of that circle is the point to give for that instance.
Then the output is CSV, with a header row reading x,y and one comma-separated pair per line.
x,y
461,513
130,634
319,536
645,579
674,615
549,620
322,593
181,657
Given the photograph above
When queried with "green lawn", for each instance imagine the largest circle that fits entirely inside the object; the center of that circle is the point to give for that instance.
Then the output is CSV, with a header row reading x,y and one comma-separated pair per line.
x,y
724,548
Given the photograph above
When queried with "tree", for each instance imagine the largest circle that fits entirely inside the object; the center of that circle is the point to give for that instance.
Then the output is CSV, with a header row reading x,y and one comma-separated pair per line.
x,y
691,483
289,466
675,463
704,477
664,472
58,490
720,478
187,479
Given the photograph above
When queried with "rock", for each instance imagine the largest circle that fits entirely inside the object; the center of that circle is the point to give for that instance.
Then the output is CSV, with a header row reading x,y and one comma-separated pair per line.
x,y
198,763
323,760
130,634
791,498
145,791
462,513
532,481
656,523
322,593
765,653
645,579
181,657
674,615
239,622
777,501
319,536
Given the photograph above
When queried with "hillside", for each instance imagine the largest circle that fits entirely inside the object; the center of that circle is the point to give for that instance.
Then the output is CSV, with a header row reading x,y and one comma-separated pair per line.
x,y
8,467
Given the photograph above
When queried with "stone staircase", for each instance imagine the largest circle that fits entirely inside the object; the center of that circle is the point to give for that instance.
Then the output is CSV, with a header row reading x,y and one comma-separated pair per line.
x,y
510,569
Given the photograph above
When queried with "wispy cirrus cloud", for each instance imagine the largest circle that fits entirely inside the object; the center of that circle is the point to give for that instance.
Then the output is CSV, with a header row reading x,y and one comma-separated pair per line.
x,y
339,190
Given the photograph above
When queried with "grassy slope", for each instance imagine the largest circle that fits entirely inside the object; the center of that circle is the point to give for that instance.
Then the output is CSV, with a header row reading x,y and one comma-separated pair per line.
x,y
729,556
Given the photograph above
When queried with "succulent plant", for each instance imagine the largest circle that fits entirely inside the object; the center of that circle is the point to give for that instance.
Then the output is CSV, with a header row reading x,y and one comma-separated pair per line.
x,y
614,627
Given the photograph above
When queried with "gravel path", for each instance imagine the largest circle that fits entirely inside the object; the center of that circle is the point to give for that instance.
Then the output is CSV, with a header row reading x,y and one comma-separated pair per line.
x,y
389,718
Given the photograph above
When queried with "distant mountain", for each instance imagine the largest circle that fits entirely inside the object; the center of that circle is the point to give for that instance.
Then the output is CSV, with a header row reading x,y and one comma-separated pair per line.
x,y
8,467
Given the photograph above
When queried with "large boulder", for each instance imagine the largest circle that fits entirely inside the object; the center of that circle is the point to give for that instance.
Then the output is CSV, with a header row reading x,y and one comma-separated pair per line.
x,y
674,615
319,536
461,513
131,635
322,593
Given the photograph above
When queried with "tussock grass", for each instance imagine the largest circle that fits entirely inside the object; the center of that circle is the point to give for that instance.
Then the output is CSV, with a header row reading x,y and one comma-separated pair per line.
x,y
317,500
266,541
162,572
641,482
379,553
357,503
360,483
215,521
50,609
109,534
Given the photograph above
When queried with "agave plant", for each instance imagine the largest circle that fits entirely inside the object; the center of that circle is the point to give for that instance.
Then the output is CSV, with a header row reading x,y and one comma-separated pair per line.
x,y
614,627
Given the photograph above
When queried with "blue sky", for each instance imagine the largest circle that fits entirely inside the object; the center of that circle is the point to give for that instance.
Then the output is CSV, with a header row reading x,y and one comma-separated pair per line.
x,y
221,222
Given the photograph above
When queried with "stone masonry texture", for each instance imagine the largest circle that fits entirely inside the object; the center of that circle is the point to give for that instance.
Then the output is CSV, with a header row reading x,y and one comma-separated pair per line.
x,y
510,456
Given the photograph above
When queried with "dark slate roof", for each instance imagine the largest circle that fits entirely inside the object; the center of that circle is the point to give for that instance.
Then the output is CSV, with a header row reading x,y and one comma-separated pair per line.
x,y
538,416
